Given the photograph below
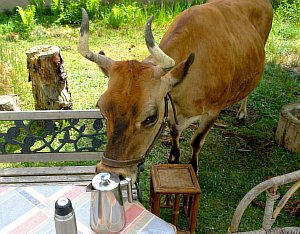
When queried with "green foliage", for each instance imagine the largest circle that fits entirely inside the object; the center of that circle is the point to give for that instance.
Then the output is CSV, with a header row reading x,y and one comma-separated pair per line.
x,y
289,11
28,17
9,27
71,13
57,7
122,14
135,14
39,6
93,8
284,39
66,11
166,12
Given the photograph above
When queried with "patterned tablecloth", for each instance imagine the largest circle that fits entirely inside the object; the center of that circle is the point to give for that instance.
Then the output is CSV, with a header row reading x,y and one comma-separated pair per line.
x,y
31,210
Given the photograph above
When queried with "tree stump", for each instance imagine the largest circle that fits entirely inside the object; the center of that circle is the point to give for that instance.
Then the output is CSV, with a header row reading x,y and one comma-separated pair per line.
x,y
288,129
48,77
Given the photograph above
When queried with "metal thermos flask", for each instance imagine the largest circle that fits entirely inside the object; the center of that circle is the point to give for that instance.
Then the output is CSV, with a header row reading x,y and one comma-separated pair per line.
x,y
64,217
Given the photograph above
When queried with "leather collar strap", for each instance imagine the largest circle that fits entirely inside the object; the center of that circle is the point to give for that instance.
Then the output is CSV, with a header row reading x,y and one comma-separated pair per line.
x,y
121,163
131,162
162,126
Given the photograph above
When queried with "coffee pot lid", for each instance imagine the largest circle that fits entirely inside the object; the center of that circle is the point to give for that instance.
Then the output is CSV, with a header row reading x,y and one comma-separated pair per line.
x,y
105,181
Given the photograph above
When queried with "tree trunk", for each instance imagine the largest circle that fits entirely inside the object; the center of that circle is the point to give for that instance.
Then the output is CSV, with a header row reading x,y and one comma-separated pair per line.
x,y
288,129
49,79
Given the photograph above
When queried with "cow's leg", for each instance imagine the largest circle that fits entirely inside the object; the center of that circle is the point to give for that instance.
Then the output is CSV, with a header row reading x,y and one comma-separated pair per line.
x,y
175,132
175,151
242,113
206,122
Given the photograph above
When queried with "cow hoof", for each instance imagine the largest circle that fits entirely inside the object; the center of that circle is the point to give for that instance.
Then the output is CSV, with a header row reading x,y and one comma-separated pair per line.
x,y
173,160
242,117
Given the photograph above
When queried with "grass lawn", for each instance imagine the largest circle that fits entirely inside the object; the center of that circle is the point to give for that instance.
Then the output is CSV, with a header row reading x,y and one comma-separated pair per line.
x,y
235,158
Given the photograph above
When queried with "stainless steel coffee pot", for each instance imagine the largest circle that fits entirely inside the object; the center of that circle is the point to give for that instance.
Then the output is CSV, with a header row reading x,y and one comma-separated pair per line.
x,y
107,211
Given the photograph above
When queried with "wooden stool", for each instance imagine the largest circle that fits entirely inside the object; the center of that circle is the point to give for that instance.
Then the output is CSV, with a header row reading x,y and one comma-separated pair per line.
x,y
175,181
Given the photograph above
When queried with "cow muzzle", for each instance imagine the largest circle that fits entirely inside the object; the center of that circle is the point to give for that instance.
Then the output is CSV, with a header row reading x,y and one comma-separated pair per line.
x,y
123,172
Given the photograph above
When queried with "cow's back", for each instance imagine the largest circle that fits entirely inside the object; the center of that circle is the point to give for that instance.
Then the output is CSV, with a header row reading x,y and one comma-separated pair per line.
x,y
259,12
228,38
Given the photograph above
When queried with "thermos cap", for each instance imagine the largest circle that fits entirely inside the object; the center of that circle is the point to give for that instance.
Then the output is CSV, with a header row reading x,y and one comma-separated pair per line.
x,y
63,206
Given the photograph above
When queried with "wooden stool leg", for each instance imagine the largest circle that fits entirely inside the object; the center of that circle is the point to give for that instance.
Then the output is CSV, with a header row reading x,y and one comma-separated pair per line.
x,y
185,204
168,200
151,194
176,210
156,204
190,205
194,212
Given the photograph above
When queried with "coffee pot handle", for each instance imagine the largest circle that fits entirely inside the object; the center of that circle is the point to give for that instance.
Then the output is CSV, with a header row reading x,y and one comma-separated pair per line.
x,y
128,183
129,188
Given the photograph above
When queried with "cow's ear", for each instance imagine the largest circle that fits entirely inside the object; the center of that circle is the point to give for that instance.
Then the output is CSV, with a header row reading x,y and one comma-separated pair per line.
x,y
179,72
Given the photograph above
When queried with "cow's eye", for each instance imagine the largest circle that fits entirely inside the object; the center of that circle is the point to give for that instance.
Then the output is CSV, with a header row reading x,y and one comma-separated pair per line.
x,y
150,120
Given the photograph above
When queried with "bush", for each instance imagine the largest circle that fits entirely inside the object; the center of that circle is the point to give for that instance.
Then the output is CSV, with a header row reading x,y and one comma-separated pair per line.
x,y
289,11
57,7
122,14
28,18
71,13
92,7
39,6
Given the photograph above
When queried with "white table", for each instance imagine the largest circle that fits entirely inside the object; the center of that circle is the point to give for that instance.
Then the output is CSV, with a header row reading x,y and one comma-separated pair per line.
x,y
31,210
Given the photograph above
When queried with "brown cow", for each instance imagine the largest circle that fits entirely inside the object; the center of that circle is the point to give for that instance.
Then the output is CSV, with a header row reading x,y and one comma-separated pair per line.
x,y
211,57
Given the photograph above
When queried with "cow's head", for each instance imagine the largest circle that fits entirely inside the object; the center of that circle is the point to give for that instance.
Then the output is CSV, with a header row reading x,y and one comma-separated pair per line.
x,y
133,104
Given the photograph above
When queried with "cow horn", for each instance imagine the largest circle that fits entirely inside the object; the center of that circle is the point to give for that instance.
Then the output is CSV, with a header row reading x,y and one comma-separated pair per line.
x,y
160,57
83,44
